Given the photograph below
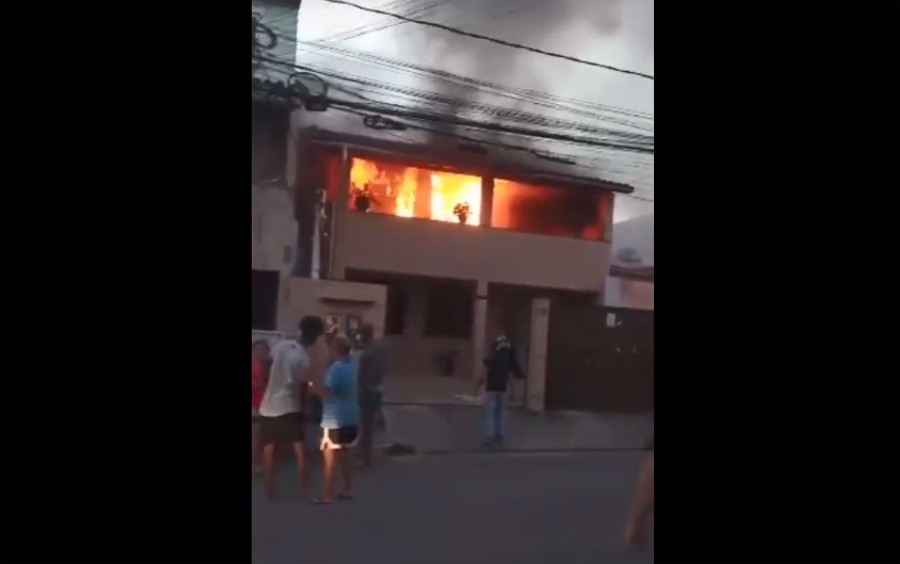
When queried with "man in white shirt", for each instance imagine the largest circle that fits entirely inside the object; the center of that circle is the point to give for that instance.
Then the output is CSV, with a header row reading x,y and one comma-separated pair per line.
x,y
281,410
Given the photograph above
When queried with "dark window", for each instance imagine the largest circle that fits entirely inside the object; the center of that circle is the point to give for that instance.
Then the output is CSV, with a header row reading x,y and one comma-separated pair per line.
x,y
449,312
395,316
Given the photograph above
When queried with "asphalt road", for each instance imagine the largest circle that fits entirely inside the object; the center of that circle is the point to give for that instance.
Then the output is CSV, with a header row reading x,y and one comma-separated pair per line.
x,y
475,508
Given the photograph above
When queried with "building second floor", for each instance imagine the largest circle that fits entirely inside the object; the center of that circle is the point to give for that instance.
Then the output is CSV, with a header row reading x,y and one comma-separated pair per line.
x,y
454,212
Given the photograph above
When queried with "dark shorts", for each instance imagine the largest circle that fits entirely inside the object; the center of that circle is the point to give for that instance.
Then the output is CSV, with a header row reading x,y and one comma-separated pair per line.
x,y
282,430
341,437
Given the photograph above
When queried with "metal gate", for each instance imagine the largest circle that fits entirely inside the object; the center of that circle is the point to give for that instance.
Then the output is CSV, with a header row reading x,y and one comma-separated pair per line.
x,y
600,359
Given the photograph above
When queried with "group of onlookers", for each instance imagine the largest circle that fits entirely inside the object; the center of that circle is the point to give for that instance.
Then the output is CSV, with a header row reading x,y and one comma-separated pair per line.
x,y
345,403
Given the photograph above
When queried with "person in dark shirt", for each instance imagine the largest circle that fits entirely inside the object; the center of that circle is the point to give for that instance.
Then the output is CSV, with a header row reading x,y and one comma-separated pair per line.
x,y
370,376
500,364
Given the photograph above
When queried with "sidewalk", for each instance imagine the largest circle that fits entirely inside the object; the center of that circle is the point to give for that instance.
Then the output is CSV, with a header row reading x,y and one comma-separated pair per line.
x,y
427,390
434,390
457,428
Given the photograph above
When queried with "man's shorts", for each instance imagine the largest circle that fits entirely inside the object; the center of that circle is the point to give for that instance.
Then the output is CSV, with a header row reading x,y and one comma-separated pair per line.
x,y
342,437
282,430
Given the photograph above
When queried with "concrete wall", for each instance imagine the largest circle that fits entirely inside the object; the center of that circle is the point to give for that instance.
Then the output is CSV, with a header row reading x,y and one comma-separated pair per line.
x,y
305,296
274,229
412,353
431,248
536,379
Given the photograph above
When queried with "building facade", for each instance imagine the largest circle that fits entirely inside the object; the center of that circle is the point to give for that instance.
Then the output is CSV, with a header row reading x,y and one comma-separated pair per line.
x,y
441,247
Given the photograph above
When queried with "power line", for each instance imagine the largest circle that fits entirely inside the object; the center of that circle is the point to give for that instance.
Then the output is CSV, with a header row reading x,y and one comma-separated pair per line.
x,y
492,112
493,39
474,85
412,10
374,118
629,171
568,105
397,111
473,124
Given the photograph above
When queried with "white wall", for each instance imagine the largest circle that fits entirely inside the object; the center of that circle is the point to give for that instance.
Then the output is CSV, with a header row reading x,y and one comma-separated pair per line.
x,y
635,234
630,294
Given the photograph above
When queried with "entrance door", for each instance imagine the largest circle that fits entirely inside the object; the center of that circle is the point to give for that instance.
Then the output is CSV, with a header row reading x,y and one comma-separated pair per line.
x,y
264,300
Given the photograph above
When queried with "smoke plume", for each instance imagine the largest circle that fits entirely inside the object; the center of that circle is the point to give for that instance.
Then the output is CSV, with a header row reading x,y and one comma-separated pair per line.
x,y
542,25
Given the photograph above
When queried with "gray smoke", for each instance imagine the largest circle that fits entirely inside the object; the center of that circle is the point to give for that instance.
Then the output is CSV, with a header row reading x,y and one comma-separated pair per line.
x,y
539,24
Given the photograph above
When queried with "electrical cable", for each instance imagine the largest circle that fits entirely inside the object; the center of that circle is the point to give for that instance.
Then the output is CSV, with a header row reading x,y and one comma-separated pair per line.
x,y
569,105
522,95
493,111
409,11
385,125
379,122
474,124
493,40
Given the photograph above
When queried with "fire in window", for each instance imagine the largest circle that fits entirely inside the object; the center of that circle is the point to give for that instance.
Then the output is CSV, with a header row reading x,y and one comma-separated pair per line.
x,y
414,192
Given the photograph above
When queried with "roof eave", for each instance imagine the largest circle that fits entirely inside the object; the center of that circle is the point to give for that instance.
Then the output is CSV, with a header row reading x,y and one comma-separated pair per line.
x,y
401,150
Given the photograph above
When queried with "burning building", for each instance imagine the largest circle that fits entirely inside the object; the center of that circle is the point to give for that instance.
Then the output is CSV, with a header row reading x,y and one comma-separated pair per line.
x,y
442,247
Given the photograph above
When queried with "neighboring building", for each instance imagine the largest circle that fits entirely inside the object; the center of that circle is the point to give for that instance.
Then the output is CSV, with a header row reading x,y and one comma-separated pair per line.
x,y
601,358
273,218
630,281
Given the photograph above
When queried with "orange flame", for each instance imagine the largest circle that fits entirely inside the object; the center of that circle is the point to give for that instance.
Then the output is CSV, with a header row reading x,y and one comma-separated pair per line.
x,y
394,190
